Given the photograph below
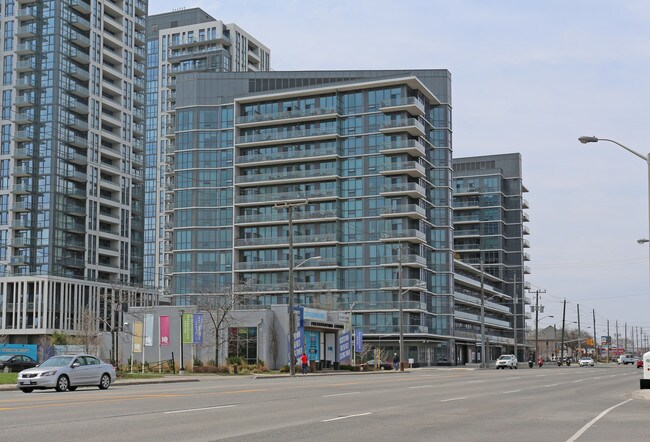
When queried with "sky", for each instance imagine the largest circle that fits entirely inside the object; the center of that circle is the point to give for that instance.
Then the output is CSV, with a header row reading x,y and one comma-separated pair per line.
x,y
527,77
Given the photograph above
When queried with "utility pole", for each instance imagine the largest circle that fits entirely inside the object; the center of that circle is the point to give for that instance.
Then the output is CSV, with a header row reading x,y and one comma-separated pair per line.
x,y
401,311
289,207
625,340
563,321
609,341
617,346
483,355
579,337
514,311
595,345
537,322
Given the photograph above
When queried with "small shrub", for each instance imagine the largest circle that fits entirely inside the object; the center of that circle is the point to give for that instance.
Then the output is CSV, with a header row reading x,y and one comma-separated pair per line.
x,y
197,362
284,369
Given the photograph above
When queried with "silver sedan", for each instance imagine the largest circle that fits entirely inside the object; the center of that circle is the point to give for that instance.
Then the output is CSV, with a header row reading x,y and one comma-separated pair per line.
x,y
67,372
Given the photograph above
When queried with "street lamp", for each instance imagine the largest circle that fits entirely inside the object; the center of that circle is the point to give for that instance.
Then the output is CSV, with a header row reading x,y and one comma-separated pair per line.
x,y
353,353
181,366
646,158
292,319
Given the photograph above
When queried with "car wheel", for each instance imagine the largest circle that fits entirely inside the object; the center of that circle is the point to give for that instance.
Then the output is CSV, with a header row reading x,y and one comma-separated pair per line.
x,y
105,382
26,390
515,367
7,370
72,388
62,383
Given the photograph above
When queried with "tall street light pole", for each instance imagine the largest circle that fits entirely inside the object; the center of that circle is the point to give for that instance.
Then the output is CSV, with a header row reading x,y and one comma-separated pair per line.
x,y
181,366
401,311
646,158
483,355
289,207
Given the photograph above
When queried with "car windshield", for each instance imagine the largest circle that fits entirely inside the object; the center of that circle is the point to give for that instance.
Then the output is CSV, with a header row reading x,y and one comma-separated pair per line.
x,y
505,357
57,361
585,359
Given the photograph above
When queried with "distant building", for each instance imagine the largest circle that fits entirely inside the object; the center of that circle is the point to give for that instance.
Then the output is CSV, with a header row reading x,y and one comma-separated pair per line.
x,y
188,40
489,228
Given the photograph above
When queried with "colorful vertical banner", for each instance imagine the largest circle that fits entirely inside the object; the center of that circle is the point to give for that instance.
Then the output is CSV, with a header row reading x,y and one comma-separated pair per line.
x,y
148,330
198,328
358,340
345,352
188,326
164,330
137,337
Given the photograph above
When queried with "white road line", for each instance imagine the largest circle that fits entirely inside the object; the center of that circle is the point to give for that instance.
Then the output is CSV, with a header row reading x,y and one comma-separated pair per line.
x,y
594,420
579,380
597,377
540,375
552,385
454,399
198,409
421,386
342,394
511,391
475,382
345,417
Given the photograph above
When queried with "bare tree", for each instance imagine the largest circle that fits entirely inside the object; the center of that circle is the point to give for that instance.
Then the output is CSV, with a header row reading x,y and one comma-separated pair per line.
x,y
87,331
219,306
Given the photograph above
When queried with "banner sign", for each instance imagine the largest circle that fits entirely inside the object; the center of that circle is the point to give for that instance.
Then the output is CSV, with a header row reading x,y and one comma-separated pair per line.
x,y
164,330
188,326
297,344
358,340
148,330
198,328
137,337
344,348
30,350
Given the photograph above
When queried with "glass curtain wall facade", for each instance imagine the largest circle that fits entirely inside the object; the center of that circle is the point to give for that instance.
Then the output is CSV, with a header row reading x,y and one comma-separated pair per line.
x,y
370,158
71,161
180,42
489,225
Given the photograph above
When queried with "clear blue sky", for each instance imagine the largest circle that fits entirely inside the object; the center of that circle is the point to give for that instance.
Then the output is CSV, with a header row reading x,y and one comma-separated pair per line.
x,y
527,77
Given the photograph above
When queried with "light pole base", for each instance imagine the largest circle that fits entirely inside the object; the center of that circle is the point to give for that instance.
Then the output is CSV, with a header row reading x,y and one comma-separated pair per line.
x,y
181,372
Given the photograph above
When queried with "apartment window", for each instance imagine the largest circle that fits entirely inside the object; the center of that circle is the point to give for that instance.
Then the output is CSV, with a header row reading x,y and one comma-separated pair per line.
x,y
6,105
6,143
9,33
7,69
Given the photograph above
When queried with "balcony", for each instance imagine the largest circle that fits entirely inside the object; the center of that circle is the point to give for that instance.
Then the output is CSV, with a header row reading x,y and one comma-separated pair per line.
x,y
20,224
78,22
78,5
409,210
22,153
409,104
259,119
24,135
312,175
315,154
325,238
28,13
76,176
26,65
411,168
412,147
413,190
266,198
29,47
23,170
22,188
410,125
75,54
20,242
277,218
25,100
25,83
409,235
407,261
74,157
30,30
19,260
287,136
21,206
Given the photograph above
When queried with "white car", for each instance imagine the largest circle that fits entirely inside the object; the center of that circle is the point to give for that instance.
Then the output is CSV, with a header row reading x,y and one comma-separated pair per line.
x,y
586,361
627,359
506,361
67,372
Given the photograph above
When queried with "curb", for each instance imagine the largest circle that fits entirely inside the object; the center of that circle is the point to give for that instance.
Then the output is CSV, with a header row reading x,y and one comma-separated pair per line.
x,y
120,383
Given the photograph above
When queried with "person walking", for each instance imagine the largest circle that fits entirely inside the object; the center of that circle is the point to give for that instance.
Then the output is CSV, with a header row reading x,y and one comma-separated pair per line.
x,y
395,362
304,361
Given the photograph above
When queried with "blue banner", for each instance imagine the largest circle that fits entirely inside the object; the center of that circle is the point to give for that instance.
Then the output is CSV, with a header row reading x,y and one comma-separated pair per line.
x,y
298,343
344,348
30,350
358,340
198,328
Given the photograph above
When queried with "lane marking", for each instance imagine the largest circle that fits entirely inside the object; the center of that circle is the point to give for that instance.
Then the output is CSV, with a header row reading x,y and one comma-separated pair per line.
x,y
552,385
342,394
594,420
476,382
579,380
198,409
345,417
454,399
421,386
511,391
597,377
540,375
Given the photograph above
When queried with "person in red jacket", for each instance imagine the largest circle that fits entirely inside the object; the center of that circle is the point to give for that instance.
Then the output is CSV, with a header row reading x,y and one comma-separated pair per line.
x,y
304,361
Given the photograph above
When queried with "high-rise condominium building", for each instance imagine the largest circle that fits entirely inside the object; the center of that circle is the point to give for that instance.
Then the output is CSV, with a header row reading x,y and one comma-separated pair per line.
x,y
489,231
178,42
71,161
364,160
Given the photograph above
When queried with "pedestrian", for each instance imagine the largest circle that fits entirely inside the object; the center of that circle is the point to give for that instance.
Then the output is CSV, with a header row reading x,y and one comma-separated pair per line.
x,y
304,361
395,362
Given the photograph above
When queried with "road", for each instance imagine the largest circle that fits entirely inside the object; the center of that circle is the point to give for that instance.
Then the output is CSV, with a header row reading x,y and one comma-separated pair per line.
x,y
547,404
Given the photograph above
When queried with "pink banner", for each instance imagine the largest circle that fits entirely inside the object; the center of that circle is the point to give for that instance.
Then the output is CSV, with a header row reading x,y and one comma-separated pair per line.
x,y
164,330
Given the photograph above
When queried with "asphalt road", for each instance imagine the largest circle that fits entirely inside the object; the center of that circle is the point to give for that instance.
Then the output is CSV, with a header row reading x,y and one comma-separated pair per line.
x,y
547,404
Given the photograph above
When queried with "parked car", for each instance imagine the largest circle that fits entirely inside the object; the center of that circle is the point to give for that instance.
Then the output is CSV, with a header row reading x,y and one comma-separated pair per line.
x,y
627,359
506,361
586,361
639,363
13,363
67,372
383,365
